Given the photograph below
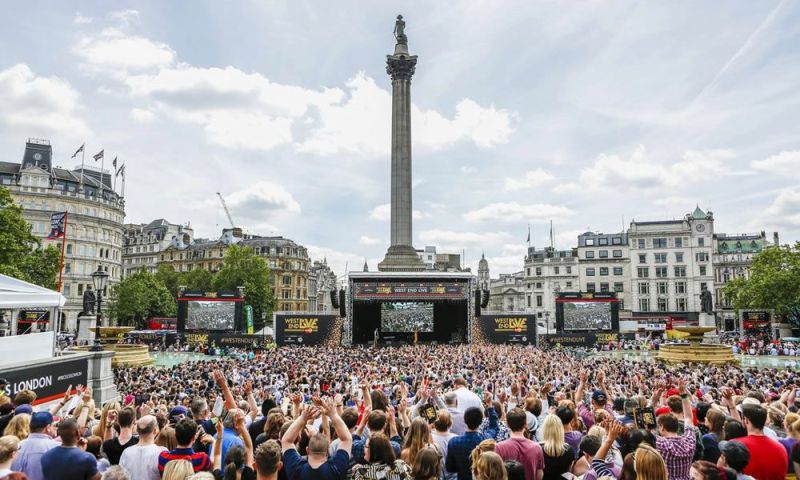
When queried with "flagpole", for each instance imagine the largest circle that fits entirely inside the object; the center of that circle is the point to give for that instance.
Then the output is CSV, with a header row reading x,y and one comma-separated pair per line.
x,y
123,180
83,157
102,168
115,177
63,243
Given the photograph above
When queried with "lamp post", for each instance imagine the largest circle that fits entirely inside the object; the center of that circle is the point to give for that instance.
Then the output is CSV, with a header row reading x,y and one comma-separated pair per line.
x,y
547,321
99,279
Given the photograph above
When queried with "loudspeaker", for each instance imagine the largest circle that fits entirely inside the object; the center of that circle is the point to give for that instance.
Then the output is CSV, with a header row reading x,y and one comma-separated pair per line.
x,y
477,302
334,299
342,304
485,301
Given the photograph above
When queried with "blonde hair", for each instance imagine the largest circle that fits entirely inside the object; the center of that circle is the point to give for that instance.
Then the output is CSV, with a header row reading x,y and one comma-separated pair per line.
x,y
596,431
177,470
649,464
418,437
202,476
166,438
483,447
489,466
19,426
553,436
8,446
792,422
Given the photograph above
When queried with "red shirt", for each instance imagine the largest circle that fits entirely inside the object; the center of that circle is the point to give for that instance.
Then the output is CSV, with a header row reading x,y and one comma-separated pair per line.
x,y
768,458
526,452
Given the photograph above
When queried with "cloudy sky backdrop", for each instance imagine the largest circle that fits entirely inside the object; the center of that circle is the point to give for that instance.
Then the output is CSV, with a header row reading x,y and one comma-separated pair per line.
x,y
588,114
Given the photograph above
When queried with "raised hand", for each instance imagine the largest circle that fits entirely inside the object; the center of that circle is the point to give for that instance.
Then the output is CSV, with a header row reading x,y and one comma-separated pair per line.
x,y
219,377
248,387
584,376
219,428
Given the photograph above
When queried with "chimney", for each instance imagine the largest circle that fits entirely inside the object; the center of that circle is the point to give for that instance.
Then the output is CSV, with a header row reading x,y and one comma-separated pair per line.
x,y
776,239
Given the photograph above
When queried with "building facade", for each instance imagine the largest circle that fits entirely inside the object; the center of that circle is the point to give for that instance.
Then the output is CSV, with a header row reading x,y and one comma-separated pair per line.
x,y
547,273
732,258
507,293
483,273
95,215
671,263
441,262
604,266
288,262
321,281
144,242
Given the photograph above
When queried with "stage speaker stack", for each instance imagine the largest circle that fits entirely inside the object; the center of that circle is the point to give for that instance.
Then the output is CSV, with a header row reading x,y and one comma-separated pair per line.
x,y
342,304
485,296
334,299
478,302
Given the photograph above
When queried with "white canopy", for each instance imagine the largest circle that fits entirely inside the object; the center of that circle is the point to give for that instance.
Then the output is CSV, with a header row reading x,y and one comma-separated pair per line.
x,y
18,294
264,331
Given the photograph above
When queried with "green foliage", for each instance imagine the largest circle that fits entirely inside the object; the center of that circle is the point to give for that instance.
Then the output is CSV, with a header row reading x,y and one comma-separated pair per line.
x,y
243,268
139,297
21,255
774,283
198,279
169,278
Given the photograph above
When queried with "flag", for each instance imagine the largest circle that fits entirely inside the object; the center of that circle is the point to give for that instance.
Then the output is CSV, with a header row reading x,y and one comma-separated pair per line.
x,y
79,150
114,163
98,155
121,171
58,225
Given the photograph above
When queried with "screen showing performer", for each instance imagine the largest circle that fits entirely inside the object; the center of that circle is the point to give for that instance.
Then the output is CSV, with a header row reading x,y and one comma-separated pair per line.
x,y
407,317
210,315
587,315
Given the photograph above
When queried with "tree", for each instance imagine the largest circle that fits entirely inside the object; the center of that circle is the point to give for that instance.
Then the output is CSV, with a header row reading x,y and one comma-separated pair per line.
x,y
139,297
774,283
198,279
168,277
243,268
21,253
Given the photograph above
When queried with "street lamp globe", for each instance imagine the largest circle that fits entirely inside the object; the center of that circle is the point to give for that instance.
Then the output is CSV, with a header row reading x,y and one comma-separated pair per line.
x,y
99,279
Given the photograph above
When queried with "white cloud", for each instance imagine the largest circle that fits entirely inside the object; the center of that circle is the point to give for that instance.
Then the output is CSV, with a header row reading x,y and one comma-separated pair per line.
x,y
784,212
261,199
125,18
533,178
39,106
383,213
515,212
339,261
785,164
452,241
369,241
142,115
80,19
468,170
116,52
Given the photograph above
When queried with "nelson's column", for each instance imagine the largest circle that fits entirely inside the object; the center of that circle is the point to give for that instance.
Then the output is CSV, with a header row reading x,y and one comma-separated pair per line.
x,y
401,256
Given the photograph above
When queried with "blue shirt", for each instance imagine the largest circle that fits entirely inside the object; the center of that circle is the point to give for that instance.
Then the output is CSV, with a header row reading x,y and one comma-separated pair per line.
x,y
29,458
458,453
297,467
229,439
68,463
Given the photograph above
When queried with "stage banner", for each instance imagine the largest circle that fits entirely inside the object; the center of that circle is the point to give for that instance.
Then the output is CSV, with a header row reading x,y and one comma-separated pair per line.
x,y
49,381
304,329
578,339
154,338
226,340
508,328
409,291
248,318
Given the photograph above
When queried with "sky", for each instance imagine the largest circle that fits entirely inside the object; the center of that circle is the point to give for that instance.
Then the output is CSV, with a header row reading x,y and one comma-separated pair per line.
x,y
587,114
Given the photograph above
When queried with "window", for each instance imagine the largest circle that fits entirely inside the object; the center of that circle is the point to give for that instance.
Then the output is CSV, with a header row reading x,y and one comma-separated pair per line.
x,y
616,253
644,304
678,257
529,271
538,300
69,249
589,253
661,272
286,280
604,271
538,284
660,257
680,288
590,272
569,270
680,304
661,288
538,271
602,241
619,287
701,256
662,304
67,267
659,243
67,291
589,242
555,270
680,271
642,258
679,242
644,288
616,241
603,287
287,294
640,243
603,253
701,242
529,301
569,284
642,272
80,289
617,270
590,287
702,270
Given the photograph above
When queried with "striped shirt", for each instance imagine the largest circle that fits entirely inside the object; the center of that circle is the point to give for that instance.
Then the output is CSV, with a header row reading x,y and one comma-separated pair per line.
x,y
200,460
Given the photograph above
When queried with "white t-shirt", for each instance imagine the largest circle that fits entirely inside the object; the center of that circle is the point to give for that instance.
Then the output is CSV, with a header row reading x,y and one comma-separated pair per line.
x,y
142,461
467,399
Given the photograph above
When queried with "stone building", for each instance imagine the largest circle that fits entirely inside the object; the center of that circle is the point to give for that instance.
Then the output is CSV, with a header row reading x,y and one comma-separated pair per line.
x,y
604,266
547,272
732,258
483,273
321,281
288,262
507,293
94,220
144,242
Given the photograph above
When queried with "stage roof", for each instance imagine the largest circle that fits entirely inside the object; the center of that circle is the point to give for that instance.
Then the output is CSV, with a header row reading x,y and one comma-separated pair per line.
x,y
400,275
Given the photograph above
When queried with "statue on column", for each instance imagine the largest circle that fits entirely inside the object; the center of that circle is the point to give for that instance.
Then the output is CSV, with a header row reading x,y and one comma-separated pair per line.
x,y
89,301
706,302
399,31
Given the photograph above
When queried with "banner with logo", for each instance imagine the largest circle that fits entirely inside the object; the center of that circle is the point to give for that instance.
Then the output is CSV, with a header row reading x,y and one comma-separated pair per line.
x,y
248,318
48,380
309,329
58,225
508,328
578,339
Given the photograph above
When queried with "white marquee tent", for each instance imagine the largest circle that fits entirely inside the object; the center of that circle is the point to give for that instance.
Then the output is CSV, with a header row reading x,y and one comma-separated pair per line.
x,y
18,295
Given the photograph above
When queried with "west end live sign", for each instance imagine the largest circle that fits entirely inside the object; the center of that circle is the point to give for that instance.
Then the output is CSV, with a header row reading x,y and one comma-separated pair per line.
x,y
376,290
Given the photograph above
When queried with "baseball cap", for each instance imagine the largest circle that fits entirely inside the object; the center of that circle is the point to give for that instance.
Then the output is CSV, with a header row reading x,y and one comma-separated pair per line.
x,y
598,396
672,392
23,409
41,420
179,410
736,454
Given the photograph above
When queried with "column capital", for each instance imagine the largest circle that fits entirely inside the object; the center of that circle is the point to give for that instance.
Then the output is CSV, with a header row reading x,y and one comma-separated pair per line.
x,y
401,67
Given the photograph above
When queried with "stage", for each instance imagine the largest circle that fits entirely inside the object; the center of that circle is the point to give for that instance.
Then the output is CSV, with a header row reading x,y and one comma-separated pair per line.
x,y
431,306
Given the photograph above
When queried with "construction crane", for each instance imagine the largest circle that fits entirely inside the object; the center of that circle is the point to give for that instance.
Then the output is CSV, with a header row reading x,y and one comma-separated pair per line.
x,y
227,212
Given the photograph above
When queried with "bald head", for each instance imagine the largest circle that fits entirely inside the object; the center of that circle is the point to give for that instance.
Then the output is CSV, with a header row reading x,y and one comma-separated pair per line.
x,y
147,425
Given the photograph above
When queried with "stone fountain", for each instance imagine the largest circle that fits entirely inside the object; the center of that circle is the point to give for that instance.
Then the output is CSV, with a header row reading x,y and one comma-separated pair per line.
x,y
696,351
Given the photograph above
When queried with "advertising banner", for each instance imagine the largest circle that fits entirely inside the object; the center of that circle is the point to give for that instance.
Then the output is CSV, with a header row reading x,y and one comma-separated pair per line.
x,y
49,381
248,318
409,290
508,328
578,339
304,329
227,340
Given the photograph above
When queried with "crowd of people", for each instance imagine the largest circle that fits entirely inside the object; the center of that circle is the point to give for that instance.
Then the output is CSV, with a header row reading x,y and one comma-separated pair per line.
x,y
407,317
415,412
587,316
